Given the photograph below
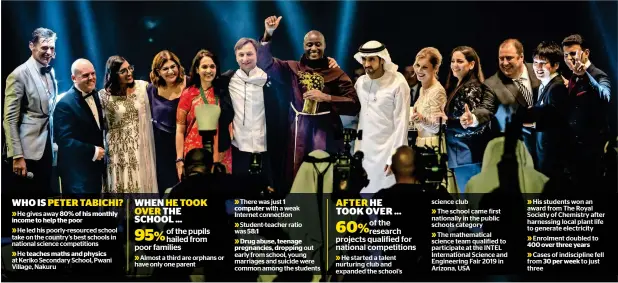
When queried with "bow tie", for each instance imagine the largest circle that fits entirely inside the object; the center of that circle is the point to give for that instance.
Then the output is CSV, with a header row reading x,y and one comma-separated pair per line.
x,y
88,95
45,70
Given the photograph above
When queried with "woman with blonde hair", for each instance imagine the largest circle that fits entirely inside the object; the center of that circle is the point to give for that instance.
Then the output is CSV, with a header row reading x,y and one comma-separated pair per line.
x,y
428,109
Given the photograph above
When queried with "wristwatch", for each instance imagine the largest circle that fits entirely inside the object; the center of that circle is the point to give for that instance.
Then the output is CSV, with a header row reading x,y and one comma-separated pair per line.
x,y
180,160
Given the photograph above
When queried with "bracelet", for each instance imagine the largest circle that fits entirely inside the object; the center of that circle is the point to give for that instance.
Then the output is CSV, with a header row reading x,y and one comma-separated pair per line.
x,y
180,160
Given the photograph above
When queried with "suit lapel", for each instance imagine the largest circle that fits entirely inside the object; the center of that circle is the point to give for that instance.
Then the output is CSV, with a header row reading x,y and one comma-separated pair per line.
x,y
53,76
571,86
557,80
36,77
97,102
85,109
514,91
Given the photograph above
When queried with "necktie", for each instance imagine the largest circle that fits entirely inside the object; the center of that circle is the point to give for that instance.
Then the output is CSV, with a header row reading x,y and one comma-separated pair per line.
x,y
524,91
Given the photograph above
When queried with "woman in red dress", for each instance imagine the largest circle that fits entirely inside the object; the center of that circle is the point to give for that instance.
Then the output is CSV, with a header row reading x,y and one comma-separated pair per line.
x,y
203,88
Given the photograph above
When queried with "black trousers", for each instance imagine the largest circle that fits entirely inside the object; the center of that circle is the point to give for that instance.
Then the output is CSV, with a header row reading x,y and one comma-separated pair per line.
x,y
241,161
45,180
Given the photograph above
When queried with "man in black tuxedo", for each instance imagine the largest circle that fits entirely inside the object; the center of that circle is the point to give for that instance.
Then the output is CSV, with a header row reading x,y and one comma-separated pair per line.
x,y
78,130
548,116
589,93
516,87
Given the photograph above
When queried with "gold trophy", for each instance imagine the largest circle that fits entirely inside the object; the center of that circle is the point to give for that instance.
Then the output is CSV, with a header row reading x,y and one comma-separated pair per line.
x,y
310,82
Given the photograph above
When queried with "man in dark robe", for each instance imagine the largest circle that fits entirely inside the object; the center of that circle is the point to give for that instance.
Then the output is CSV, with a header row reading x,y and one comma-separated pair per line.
x,y
318,95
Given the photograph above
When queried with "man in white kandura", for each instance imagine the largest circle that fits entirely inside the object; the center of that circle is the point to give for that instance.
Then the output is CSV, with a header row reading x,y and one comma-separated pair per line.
x,y
384,95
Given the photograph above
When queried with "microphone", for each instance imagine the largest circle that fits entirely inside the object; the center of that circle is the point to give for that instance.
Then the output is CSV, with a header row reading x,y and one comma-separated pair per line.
x,y
29,175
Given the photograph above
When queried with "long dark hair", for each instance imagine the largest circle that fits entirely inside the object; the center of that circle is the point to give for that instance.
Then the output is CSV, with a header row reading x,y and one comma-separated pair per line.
x,y
194,76
476,73
111,82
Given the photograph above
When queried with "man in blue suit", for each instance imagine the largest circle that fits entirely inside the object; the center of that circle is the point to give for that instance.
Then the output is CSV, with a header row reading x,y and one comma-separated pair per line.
x,y
78,129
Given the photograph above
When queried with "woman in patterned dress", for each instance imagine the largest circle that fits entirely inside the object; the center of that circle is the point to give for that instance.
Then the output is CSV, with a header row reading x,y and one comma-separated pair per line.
x,y
203,88
129,140
469,108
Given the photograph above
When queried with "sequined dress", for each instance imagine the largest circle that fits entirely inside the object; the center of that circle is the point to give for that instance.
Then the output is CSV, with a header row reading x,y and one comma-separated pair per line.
x,y
129,142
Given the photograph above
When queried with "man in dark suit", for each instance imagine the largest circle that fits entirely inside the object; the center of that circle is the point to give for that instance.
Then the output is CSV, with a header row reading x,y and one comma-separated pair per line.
x,y
415,87
78,131
548,114
516,87
589,93
30,92
413,83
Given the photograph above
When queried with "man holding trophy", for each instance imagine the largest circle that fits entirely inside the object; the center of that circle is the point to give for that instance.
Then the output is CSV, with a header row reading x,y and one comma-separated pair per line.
x,y
318,95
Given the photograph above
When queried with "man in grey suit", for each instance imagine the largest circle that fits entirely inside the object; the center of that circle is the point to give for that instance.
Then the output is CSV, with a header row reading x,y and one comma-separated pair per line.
x,y
29,102
516,87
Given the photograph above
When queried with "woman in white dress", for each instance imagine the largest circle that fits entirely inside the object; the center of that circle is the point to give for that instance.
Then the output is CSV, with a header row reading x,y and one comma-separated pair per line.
x,y
129,140
429,107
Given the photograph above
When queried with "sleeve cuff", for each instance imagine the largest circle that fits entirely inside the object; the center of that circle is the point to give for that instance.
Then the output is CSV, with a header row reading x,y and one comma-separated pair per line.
x,y
475,122
389,160
18,156
94,158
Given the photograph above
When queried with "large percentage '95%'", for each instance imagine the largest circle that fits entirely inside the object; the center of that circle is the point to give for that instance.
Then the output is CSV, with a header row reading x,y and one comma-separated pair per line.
x,y
351,227
148,235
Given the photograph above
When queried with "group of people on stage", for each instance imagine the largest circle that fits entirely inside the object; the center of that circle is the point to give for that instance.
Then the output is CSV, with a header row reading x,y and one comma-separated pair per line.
x,y
131,136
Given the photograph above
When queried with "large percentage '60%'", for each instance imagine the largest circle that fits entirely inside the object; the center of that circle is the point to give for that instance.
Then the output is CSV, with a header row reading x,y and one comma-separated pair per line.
x,y
148,235
351,227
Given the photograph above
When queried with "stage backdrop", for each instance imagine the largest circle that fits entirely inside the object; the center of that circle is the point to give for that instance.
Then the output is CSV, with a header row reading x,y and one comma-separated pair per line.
x,y
138,30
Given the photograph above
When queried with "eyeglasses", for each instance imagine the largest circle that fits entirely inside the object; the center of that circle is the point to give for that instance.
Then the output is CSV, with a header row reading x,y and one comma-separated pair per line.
x,y
539,63
125,71
165,69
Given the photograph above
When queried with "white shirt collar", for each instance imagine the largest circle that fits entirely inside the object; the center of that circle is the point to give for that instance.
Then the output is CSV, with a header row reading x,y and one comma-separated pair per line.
x,y
38,64
545,81
82,92
524,75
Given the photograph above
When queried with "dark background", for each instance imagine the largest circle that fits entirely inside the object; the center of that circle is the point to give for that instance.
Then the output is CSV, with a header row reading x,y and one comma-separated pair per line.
x,y
405,27
99,29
